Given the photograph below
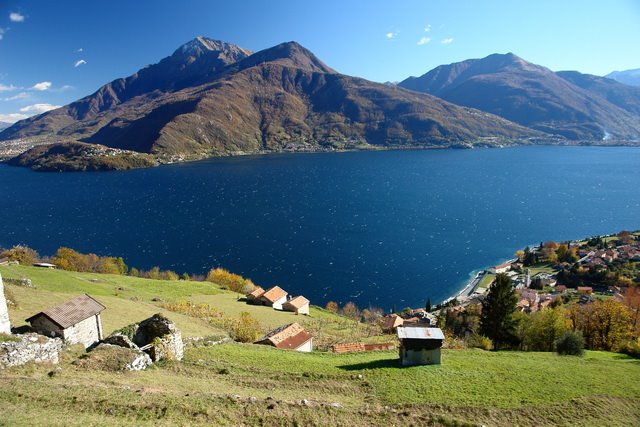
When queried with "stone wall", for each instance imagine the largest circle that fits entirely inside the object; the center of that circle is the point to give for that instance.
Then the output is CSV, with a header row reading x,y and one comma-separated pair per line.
x,y
30,348
87,332
5,325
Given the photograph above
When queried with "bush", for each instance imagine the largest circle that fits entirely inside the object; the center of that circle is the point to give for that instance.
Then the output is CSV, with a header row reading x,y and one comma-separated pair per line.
x,y
23,254
246,329
480,341
632,348
570,343
230,281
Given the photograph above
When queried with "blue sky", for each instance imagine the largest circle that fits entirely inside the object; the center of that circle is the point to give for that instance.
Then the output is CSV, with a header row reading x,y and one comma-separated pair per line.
x,y
54,52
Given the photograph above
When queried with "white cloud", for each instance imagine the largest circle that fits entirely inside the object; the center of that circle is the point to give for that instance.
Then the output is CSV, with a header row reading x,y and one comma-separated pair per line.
x,y
79,63
21,95
427,28
424,40
392,35
66,88
16,17
447,40
5,88
80,50
2,31
42,86
38,108
12,117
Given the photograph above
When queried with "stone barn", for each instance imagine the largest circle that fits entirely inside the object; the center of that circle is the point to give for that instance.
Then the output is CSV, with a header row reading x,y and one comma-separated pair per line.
x,y
77,321
5,325
420,345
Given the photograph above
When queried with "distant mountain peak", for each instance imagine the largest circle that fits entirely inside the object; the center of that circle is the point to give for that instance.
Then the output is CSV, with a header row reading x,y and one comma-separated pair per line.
x,y
291,53
201,45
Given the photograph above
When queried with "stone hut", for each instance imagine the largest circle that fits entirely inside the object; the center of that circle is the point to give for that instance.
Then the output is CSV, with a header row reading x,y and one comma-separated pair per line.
x,y
274,297
77,321
160,337
420,345
289,337
5,325
299,305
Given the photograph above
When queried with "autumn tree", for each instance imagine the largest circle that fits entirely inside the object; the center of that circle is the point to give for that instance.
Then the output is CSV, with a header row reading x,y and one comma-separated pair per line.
x,y
332,306
22,254
246,329
228,280
496,319
605,325
541,329
549,251
351,311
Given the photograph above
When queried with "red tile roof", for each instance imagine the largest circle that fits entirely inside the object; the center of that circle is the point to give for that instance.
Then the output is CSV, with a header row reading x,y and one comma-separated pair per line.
x,y
298,302
256,293
291,336
72,312
274,294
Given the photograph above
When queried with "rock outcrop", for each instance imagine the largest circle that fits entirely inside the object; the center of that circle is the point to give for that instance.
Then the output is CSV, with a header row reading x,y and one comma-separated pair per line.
x,y
163,337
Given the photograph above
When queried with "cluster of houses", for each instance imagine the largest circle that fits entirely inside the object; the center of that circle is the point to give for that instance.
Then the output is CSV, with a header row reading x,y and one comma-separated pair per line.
x,y
278,299
602,257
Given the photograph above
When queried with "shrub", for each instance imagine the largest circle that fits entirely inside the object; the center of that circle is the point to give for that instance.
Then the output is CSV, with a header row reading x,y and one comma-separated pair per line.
x,y
23,254
570,343
480,341
228,280
632,348
246,329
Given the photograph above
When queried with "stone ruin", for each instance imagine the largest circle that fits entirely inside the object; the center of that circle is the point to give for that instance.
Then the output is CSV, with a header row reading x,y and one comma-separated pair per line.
x,y
153,339
29,347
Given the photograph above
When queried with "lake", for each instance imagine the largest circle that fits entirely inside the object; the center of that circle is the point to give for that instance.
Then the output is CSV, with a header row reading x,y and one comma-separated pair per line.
x,y
376,228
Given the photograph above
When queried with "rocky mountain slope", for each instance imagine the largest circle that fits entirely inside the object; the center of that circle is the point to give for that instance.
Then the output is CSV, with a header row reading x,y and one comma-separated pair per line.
x,y
628,77
573,105
212,98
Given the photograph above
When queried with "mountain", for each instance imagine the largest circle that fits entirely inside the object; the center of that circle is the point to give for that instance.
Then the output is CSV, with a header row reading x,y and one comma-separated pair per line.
x,y
212,98
4,125
628,77
535,96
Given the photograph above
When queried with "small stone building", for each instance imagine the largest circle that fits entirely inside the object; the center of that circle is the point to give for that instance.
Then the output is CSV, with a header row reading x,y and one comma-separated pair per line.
x,y
299,305
274,297
77,321
420,345
289,337
5,325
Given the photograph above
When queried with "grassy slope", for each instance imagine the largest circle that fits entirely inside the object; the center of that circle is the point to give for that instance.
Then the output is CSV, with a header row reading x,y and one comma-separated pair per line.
x,y
492,388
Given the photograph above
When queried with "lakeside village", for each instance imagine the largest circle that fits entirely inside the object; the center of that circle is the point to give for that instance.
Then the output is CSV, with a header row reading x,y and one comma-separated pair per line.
x,y
577,287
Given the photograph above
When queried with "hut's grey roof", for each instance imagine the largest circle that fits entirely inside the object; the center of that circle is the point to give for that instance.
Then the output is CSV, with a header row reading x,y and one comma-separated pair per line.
x,y
420,333
71,312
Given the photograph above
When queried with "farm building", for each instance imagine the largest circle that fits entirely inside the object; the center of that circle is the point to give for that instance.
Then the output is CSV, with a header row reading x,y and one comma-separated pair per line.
x,y
391,322
289,337
274,297
299,305
77,321
253,297
420,345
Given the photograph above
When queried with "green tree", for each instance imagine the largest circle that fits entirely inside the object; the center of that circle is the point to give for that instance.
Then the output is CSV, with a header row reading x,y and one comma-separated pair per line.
x,y
496,320
541,329
427,306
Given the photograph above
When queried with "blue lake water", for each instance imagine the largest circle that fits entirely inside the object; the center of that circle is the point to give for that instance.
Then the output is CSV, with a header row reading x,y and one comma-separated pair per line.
x,y
377,228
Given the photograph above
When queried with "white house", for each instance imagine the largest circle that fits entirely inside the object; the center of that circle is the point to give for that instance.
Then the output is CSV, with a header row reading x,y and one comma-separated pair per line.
x,y
289,337
299,305
274,297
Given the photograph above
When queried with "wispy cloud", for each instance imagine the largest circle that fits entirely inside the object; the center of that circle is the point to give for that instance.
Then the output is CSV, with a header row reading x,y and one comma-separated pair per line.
x,y
38,108
66,88
448,40
12,117
427,28
21,95
5,88
2,31
41,86
16,17
392,35
424,40
79,63
80,50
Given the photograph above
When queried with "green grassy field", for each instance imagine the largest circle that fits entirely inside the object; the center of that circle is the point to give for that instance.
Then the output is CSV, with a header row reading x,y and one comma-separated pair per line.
x,y
245,384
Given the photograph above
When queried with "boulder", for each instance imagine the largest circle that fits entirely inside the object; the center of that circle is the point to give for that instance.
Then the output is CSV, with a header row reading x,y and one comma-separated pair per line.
x,y
163,337
29,347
